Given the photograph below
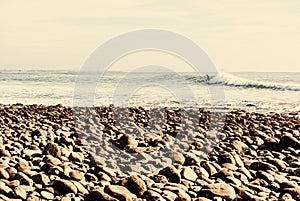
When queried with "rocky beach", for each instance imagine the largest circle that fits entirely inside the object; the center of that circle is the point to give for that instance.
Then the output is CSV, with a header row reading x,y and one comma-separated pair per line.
x,y
44,154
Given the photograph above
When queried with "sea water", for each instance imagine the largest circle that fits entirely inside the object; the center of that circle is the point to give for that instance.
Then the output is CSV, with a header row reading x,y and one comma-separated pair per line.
x,y
271,92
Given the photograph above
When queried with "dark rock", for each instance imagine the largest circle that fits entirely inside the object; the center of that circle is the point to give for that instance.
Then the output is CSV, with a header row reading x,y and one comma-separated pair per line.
x,y
77,175
76,156
171,173
99,195
219,189
52,149
126,140
24,179
289,141
41,179
119,192
64,186
3,174
5,190
4,152
136,185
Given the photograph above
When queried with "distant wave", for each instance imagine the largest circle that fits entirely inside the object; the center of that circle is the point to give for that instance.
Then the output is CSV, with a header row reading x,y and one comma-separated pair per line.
x,y
227,79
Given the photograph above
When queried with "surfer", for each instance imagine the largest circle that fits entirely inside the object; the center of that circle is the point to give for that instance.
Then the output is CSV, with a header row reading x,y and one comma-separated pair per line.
x,y
207,78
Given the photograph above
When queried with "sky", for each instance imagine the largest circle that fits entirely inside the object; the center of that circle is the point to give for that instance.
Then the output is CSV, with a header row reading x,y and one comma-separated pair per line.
x,y
247,35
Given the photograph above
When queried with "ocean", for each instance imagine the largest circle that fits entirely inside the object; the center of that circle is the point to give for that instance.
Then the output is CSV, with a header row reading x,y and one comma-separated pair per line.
x,y
266,92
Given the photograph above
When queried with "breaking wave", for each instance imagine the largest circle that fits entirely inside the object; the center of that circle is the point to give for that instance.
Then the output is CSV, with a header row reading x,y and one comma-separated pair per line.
x,y
227,79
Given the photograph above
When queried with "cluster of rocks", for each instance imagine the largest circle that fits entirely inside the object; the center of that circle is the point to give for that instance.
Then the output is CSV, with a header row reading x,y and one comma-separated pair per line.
x,y
50,153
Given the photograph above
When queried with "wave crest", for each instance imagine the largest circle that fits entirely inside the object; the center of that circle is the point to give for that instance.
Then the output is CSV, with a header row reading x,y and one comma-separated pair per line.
x,y
227,79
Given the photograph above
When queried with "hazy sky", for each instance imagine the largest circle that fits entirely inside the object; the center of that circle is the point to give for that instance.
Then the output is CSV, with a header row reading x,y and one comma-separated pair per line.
x,y
238,35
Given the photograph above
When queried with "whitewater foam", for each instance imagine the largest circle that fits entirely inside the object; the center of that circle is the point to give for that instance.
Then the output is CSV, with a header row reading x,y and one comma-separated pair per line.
x,y
227,79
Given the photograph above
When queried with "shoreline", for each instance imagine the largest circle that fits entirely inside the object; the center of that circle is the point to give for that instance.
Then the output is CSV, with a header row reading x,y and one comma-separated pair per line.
x,y
43,155
250,108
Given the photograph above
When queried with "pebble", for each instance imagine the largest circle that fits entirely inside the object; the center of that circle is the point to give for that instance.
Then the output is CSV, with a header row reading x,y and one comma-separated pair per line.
x,y
171,173
20,192
3,174
189,174
119,192
64,186
218,189
52,149
77,175
136,185
41,179
42,157
47,195
99,194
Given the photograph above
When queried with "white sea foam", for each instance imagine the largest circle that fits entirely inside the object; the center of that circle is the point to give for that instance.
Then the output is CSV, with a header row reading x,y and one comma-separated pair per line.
x,y
235,81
